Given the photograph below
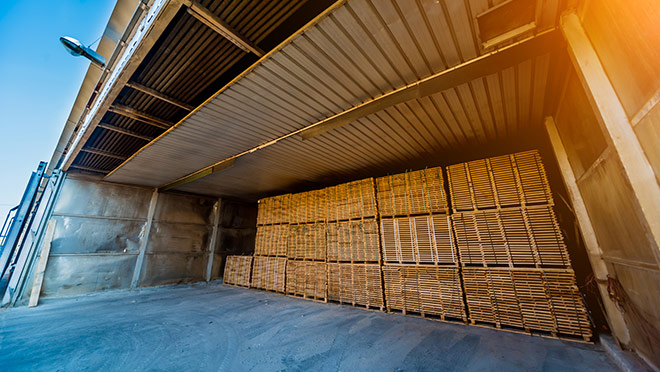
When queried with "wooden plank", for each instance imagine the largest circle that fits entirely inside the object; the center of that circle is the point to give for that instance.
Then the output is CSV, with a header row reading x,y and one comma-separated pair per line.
x,y
41,266
614,122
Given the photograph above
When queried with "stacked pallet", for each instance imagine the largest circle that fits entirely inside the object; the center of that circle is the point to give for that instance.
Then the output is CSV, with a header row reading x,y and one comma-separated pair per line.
x,y
271,240
424,290
509,180
353,241
268,273
511,247
352,200
419,239
307,279
420,269
514,237
307,242
237,270
355,284
274,210
307,207
546,300
411,193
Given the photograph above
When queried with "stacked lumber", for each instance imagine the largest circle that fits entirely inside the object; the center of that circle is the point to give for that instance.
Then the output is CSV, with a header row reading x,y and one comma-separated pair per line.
x,y
546,300
237,270
419,239
352,200
268,273
273,210
514,237
353,241
411,193
355,284
306,207
271,240
509,180
424,290
307,242
307,279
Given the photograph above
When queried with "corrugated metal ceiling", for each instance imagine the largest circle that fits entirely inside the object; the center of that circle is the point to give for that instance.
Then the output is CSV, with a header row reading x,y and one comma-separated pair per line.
x,y
361,50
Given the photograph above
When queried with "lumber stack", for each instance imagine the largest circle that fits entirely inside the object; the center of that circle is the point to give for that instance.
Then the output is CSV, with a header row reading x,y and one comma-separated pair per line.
x,y
237,270
271,240
307,279
412,193
307,242
351,201
274,210
419,239
268,273
353,241
511,247
355,284
546,300
514,237
424,290
509,180
497,257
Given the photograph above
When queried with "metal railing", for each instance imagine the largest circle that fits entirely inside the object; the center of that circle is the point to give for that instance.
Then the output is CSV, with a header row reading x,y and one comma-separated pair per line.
x,y
6,226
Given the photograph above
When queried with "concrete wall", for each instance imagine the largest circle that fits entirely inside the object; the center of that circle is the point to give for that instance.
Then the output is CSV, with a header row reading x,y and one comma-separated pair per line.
x,y
607,152
101,227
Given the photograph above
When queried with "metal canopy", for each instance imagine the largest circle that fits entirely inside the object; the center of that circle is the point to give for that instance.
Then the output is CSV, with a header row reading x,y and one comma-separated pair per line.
x,y
353,54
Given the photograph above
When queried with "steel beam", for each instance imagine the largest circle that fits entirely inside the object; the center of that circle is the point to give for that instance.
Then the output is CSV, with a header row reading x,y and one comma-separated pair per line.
x,y
156,94
94,151
207,17
134,114
127,132
88,169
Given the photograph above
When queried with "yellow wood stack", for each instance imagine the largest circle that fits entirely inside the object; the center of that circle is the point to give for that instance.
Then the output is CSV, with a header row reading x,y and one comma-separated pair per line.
x,y
412,193
307,242
424,290
498,259
353,241
512,249
515,237
355,284
509,180
274,210
546,300
237,270
268,273
419,239
307,279
308,207
271,240
352,200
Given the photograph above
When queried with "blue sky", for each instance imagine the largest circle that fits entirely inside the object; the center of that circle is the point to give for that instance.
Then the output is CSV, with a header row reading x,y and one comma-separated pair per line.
x,y
39,81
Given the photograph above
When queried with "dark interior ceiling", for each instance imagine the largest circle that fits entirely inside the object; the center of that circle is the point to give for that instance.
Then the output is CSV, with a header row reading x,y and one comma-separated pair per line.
x,y
188,63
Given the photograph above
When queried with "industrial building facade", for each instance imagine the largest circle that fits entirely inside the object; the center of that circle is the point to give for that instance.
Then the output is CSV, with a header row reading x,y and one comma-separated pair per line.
x,y
372,144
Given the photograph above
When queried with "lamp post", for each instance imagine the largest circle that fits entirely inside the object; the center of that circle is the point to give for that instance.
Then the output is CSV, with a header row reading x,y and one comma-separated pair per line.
x,y
76,48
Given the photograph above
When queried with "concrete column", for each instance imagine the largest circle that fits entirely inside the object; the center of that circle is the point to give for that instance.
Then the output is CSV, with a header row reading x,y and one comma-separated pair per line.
x,y
145,239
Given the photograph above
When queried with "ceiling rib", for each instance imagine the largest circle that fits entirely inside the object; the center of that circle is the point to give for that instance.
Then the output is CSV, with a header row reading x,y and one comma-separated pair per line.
x,y
140,116
163,97
124,131
88,169
218,25
103,153
463,73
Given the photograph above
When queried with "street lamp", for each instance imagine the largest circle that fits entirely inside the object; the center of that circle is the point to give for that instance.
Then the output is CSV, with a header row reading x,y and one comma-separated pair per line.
x,y
76,48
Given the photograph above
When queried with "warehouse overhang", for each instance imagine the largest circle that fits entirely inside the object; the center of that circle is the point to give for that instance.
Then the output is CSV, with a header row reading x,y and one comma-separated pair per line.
x,y
368,87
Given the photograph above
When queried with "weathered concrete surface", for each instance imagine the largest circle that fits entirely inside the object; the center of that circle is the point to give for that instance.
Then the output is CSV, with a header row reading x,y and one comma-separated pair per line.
x,y
215,328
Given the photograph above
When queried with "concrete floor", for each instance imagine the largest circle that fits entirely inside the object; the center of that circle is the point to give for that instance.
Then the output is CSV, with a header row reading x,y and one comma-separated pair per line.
x,y
216,328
